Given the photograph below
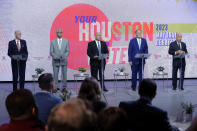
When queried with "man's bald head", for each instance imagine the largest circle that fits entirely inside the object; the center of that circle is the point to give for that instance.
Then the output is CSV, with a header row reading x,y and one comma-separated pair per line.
x,y
98,36
59,33
178,37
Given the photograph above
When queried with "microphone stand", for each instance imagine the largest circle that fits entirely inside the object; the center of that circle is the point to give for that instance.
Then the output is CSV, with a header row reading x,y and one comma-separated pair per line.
x,y
102,58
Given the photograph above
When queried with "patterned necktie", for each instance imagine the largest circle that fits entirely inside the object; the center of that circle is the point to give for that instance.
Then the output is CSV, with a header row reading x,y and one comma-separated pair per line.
x,y
99,47
179,46
18,46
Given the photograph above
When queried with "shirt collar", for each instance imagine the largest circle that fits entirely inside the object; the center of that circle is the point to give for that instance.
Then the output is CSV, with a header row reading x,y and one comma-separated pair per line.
x,y
146,99
17,40
59,38
178,42
44,91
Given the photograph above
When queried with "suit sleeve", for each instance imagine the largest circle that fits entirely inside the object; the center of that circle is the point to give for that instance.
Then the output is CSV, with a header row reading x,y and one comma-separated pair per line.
x,y
146,47
106,49
26,51
166,124
52,54
89,51
9,50
185,49
130,50
67,51
171,50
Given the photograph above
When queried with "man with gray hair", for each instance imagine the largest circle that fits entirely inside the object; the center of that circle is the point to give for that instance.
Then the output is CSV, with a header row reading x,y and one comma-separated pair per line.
x,y
17,51
177,48
59,50
73,115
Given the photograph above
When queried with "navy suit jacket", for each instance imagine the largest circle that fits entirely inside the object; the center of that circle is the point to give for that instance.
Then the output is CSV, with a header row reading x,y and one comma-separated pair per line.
x,y
134,49
143,116
13,50
45,101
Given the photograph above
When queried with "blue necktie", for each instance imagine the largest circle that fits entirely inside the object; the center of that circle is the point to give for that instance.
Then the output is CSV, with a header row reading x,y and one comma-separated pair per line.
x,y
99,48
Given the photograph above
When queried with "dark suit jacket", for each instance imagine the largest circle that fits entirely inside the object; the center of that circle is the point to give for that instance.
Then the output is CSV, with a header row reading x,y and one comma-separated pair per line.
x,y
143,116
92,51
134,49
173,48
13,50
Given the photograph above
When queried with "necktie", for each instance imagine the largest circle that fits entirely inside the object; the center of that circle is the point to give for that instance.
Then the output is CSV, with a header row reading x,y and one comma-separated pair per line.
x,y
99,47
179,45
18,46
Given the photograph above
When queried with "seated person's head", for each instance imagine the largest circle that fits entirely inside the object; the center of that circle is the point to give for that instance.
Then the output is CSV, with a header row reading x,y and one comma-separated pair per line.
x,y
112,119
46,82
72,115
90,90
147,88
20,105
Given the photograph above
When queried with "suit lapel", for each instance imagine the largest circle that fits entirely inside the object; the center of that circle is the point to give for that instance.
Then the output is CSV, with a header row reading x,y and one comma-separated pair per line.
x,y
56,44
95,46
62,45
137,44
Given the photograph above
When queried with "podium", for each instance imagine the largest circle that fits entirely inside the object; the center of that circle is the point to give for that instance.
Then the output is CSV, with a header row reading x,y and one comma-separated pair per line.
x,y
180,56
18,57
142,56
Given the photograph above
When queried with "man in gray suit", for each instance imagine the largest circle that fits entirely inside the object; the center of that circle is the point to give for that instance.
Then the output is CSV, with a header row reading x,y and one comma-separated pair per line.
x,y
59,50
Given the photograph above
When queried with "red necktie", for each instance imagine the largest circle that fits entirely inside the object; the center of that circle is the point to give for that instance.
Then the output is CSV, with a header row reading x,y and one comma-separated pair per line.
x,y
18,46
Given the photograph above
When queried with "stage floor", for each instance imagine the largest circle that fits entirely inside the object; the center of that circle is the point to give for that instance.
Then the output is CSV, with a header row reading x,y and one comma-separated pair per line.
x,y
165,99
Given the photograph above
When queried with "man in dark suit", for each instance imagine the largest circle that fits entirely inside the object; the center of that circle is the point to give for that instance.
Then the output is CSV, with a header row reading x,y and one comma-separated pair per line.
x,y
94,51
142,115
18,47
177,48
136,45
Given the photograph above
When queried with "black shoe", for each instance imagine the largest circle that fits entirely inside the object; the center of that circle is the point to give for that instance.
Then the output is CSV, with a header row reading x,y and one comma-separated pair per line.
x,y
182,88
106,90
173,88
134,89
64,90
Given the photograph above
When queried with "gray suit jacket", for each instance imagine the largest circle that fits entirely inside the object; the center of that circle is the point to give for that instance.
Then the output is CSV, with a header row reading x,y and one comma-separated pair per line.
x,y
59,57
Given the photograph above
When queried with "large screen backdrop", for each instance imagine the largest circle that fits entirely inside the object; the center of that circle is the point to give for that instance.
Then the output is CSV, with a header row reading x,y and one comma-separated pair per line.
x,y
117,21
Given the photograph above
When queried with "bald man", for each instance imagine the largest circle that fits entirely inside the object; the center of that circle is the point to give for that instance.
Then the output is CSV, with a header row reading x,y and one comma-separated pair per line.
x,y
18,47
176,48
94,50
59,51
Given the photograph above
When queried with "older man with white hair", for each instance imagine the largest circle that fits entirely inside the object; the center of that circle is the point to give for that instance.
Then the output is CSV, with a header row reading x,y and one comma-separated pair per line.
x,y
178,48
59,50
17,51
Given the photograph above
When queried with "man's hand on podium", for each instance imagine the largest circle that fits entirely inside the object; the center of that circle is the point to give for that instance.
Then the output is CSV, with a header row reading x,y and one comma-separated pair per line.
x,y
180,52
130,63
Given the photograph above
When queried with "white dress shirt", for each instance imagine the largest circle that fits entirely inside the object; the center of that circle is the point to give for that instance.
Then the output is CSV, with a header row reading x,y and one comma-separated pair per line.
x,y
59,41
139,42
98,43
